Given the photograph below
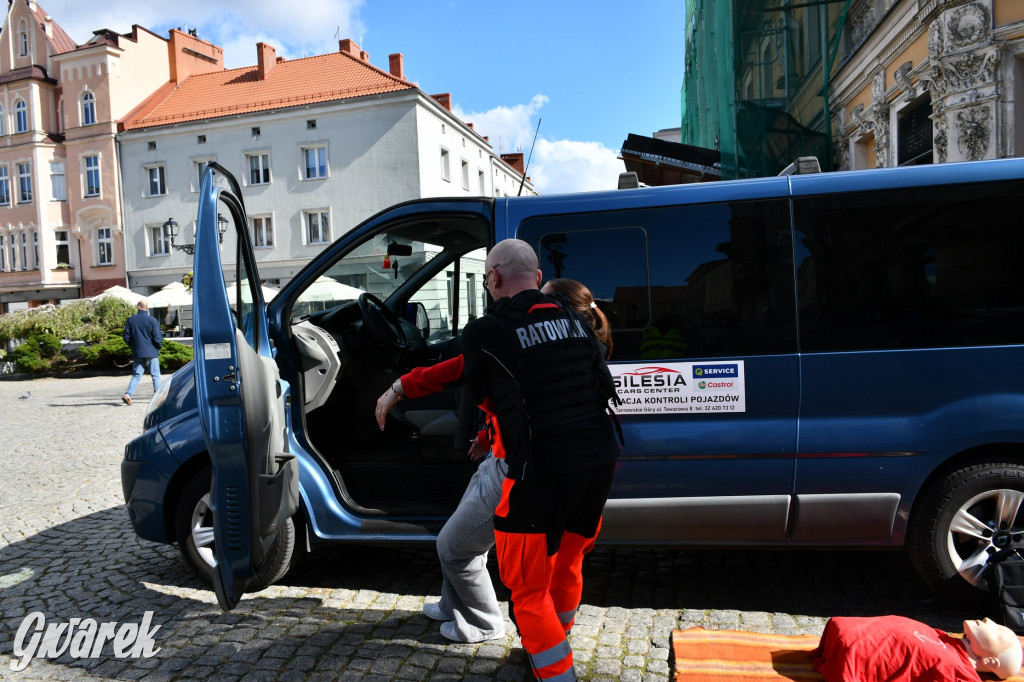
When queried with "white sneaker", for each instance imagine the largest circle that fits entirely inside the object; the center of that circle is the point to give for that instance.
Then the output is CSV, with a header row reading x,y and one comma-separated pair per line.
x,y
449,631
434,612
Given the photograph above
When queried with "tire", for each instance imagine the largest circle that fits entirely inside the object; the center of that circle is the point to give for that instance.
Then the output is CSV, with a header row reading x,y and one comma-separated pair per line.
x,y
961,520
193,525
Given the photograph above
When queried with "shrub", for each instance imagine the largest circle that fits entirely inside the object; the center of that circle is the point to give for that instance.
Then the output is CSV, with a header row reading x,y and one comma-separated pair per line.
x,y
39,352
173,354
113,350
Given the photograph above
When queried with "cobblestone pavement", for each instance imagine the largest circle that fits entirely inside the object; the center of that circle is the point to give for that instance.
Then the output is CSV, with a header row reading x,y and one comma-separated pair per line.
x,y
353,613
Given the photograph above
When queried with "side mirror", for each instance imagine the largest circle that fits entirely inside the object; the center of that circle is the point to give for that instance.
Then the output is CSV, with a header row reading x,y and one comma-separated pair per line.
x,y
416,313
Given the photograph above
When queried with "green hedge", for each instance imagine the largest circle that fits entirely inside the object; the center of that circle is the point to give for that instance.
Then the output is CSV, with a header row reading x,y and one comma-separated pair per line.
x,y
99,323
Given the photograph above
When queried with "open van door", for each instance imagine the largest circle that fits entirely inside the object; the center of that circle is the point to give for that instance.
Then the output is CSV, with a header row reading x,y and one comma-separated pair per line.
x,y
254,486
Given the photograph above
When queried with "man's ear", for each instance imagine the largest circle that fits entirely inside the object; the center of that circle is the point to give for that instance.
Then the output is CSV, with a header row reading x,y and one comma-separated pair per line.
x,y
540,278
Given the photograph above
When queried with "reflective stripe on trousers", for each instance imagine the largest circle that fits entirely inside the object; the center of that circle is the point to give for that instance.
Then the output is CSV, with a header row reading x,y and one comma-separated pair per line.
x,y
547,664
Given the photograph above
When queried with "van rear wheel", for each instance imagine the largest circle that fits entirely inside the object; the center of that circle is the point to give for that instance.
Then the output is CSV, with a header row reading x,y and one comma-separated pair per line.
x,y
960,521
194,531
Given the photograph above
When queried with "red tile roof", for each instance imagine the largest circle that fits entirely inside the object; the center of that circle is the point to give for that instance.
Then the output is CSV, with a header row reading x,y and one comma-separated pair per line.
x,y
322,78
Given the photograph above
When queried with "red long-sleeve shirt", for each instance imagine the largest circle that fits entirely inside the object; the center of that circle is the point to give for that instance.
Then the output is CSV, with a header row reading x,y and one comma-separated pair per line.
x,y
423,381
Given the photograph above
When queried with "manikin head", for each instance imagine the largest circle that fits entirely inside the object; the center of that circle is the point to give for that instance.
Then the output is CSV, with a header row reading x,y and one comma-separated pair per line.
x,y
511,267
993,648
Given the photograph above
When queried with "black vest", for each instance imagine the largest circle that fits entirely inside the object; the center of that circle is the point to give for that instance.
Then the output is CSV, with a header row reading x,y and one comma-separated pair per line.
x,y
550,388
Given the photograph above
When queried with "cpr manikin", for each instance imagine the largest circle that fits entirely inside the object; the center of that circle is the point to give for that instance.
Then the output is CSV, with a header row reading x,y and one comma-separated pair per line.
x,y
898,649
992,647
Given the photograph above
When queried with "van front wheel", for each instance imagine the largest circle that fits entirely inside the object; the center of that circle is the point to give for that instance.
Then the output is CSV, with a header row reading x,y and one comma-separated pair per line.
x,y
960,521
194,530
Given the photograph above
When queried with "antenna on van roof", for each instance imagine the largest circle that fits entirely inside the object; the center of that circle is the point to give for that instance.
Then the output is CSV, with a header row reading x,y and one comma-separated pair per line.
x,y
527,167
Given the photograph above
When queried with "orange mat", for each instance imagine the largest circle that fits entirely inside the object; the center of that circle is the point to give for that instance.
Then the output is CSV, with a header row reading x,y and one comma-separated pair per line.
x,y
720,655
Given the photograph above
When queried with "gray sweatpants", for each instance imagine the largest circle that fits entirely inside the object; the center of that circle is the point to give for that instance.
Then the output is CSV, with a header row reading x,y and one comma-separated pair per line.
x,y
462,547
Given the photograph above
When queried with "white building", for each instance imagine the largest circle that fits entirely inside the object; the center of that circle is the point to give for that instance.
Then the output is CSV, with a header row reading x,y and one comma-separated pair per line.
x,y
319,144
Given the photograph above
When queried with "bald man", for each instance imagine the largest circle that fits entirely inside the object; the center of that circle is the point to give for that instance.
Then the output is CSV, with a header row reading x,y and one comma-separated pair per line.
x,y
142,334
539,364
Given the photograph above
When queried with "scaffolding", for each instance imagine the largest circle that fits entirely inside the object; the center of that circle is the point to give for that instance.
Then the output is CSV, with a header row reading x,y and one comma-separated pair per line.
x,y
757,79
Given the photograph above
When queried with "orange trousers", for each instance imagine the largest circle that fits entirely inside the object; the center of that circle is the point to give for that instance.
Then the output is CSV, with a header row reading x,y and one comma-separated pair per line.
x,y
543,529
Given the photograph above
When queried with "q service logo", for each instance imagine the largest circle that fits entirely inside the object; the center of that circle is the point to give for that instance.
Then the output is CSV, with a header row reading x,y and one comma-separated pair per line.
x,y
716,376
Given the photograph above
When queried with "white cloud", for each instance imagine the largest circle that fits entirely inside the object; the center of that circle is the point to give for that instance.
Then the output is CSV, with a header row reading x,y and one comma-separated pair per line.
x,y
299,29
557,166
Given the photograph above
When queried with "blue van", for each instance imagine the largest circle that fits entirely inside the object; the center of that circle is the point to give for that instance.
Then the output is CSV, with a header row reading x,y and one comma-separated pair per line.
x,y
816,360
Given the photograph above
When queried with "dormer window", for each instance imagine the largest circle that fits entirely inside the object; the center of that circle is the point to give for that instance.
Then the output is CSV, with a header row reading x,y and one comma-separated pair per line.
x,y
23,39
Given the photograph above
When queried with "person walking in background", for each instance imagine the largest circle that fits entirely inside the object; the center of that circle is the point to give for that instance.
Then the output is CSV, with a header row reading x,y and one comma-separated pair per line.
x,y
143,336
468,607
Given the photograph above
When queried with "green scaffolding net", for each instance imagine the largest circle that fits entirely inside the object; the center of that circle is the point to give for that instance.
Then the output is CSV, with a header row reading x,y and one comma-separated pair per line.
x,y
756,81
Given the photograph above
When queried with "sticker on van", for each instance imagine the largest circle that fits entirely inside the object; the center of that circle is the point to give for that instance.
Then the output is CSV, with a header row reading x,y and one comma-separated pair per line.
x,y
661,388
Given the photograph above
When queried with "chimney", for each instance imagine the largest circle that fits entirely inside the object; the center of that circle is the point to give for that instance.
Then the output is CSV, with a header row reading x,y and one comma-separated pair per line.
x,y
444,99
515,160
266,59
396,65
364,55
349,46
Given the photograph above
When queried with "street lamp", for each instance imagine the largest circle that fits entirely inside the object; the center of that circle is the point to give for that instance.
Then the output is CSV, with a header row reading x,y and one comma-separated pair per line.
x,y
172,227
222,227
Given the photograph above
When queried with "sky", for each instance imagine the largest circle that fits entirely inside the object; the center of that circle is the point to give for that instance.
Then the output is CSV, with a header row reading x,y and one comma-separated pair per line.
x,y
588,72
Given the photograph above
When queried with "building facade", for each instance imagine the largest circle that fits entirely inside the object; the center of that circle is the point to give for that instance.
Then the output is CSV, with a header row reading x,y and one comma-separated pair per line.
x,y
318,144
61,227
857,83
930,82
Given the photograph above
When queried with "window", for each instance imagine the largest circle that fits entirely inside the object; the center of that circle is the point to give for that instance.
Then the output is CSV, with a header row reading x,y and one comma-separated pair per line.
x,y
155,181
58,183
151,146
92,176
20,117
914,135
3,253
911,268
256,131
465,175
160,240
24,183
201,139
3,122
63,252
318,229
5,187
105,246
311,124
263,232
481,179
259,168
445,170
24,251
22,40
35,249
316,162
200,166
88,109
716,289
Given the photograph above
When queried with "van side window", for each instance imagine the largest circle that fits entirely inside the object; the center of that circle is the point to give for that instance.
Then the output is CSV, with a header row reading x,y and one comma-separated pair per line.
x,y
921,268
708,280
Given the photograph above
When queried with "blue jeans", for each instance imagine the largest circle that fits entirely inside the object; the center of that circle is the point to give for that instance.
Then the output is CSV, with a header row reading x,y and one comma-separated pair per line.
x,y
139,366
462,546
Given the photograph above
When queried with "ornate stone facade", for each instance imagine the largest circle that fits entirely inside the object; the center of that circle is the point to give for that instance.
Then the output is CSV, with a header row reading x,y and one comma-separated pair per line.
x,y
971,108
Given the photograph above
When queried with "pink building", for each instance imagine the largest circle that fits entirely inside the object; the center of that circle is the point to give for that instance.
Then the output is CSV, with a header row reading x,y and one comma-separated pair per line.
x,y
61,229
